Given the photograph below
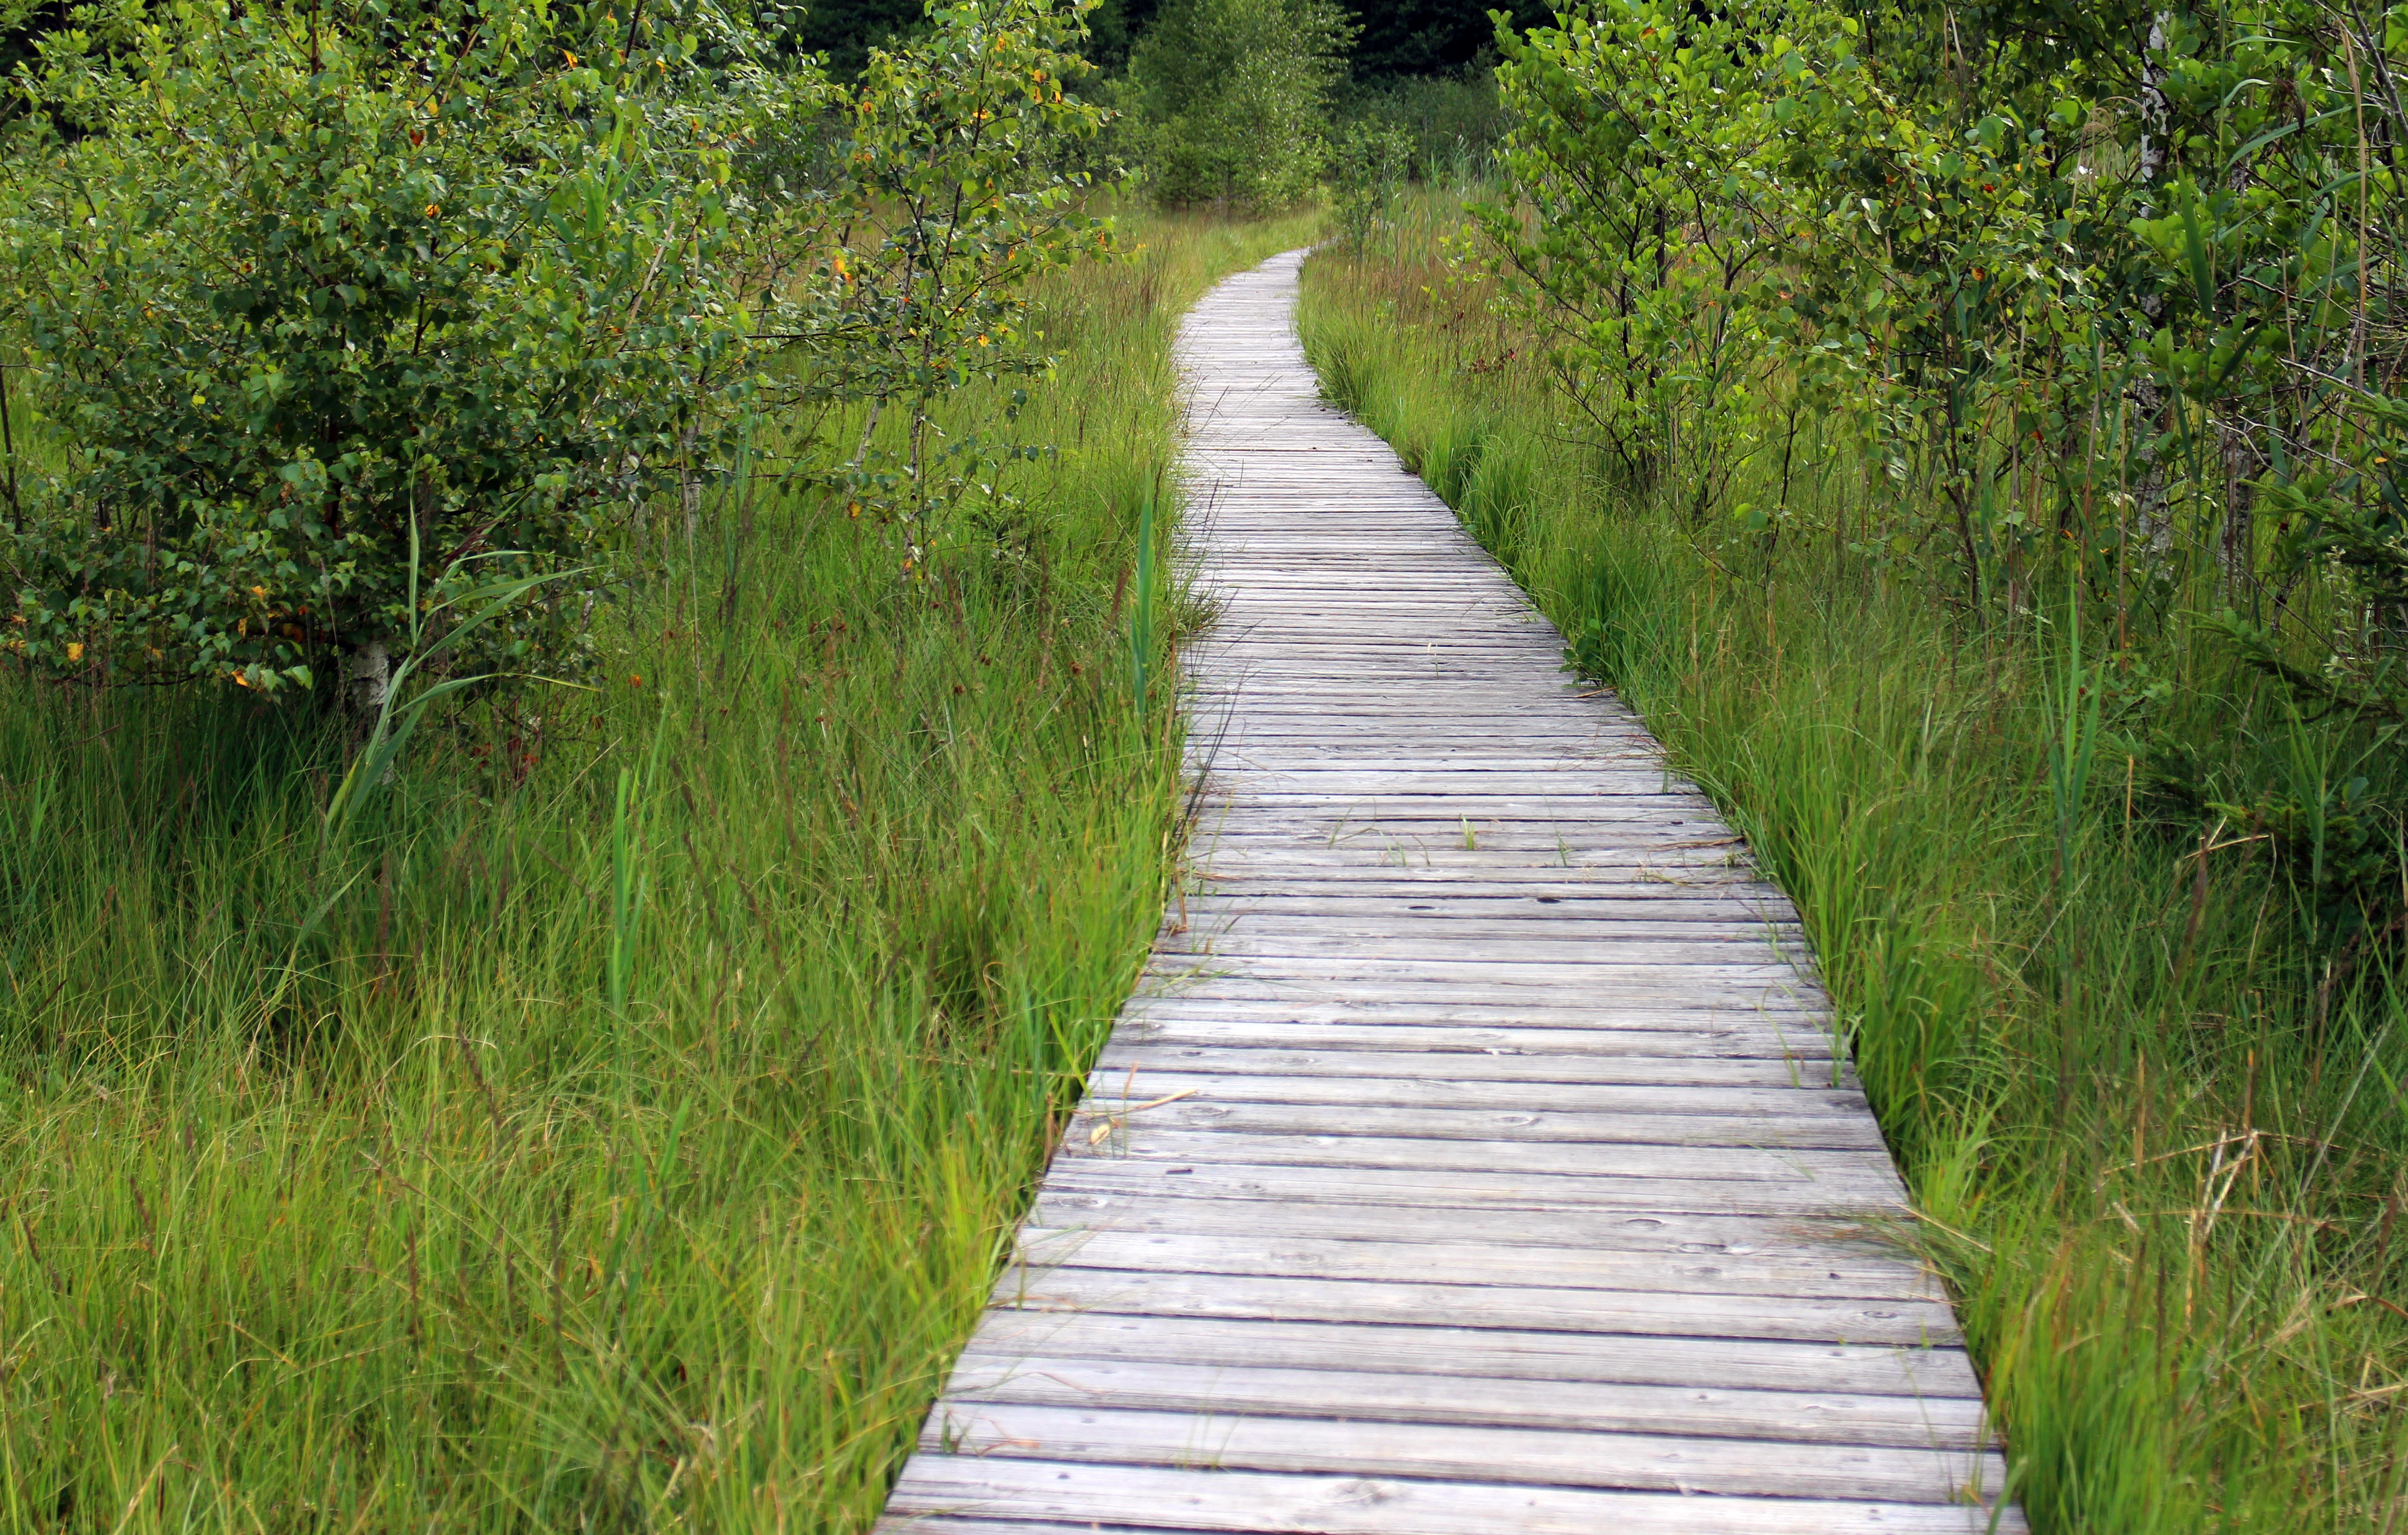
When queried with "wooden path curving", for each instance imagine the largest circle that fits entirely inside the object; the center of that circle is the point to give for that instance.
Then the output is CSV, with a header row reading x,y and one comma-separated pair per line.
x,y
1472,1161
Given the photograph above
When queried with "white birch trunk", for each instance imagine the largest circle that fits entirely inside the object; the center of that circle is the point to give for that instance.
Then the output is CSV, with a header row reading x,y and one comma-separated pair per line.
x,y
369,671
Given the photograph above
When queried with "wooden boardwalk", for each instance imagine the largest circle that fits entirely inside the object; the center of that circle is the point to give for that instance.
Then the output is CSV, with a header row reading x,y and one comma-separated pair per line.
x,y
1472,1161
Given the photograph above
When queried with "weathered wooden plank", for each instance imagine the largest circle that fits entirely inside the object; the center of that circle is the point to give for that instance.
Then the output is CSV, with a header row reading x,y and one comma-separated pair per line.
x,y
1440,1048
1430,842
1825,1248
1699,875
1448,1189
1689,1314
1179,985
1342,1083
1801,1052
1141,1139
1470,785
1681,915
1182,978
1308,760
1793,1271
1743,945
1731,982
1800,1417
1556,852
1179,1497
1540,1137
1270,895
1936,1374
1637,909
1631,977
1536,824
1591,1458
1403,1057
1535,996
1195,994
1678,920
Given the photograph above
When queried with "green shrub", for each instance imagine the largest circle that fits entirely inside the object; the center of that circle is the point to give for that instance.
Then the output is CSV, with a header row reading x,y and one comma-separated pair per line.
x,y
1232,99
347,314
1371,163
331,287
917,258
1452,121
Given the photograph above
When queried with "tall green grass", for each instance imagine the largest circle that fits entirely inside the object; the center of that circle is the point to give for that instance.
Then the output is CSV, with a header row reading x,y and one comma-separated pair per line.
x,y
2155,1133
620,1129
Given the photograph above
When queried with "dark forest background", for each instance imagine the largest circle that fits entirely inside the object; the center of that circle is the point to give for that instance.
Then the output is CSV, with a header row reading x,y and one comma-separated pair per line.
x,y
1415,38
1394,43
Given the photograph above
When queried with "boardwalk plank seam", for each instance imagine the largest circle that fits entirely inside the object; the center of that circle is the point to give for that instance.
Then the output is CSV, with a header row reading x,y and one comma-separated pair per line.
x,y
1474,1158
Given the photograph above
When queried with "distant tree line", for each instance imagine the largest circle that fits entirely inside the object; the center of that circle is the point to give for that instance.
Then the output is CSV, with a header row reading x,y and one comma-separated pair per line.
x,y
1234,102
1413,38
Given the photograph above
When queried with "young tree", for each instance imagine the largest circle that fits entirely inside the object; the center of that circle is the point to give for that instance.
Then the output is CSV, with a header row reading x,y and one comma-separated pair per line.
x,y
1368,166
948,200
1233,98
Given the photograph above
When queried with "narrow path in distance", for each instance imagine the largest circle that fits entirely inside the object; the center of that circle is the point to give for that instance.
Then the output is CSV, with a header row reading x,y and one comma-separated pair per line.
x,y
1472,1159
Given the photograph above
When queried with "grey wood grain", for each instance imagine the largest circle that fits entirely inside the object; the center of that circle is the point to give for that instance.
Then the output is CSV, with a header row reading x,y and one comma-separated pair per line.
x,y
1401,1057
1655,1139
1800,1417
1474,1155
1935,1373
1348,1083
1586,1456
1446,1189
953,1486
1701,1311
1671,1239
1362,1256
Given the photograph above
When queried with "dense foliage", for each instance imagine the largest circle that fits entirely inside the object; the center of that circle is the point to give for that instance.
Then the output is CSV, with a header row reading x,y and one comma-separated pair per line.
x,y
1366,171
1405,39
1231,98
336,311
2103,298
946,203
1452,121
316,292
